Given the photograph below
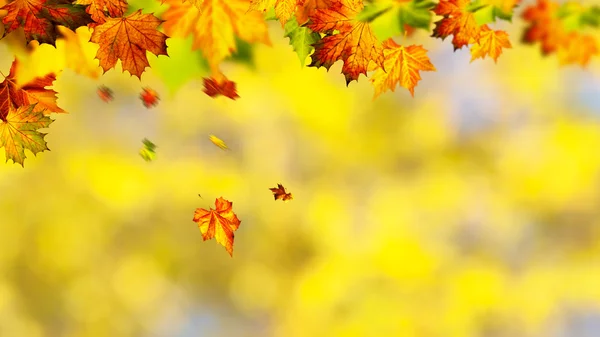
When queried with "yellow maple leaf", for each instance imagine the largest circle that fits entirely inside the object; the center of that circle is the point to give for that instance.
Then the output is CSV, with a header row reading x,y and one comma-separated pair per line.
x,y
215,25
578,49
402,65
285,9
490,43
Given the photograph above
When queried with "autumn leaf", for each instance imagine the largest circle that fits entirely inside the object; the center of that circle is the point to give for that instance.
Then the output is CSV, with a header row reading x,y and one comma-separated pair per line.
x,y
149,97
307,7
544,27
457,21
402,66
148,150
490,44
301,39
215,26
218,223
578,49
218,142
214,87
283,9
279,193
127,39
19,131
197,3
76,56
105,93
100,10
486,11
34,91
390,18
39,18
354,43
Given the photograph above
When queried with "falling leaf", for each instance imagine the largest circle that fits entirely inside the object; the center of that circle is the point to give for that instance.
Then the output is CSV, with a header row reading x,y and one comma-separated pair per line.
x,y
215,88
219,223
149,97
128,39
355,43
105,93
490,43
40,18
215,25
218,142
457,21
98,9
279,193
147,151
34,91
18,131
402,66
200,195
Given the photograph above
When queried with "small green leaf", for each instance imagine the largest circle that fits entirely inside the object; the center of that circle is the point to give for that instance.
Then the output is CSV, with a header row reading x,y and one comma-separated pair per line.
x,y
147,152
301,39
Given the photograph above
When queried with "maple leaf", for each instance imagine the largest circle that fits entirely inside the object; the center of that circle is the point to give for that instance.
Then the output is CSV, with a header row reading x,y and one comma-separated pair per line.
x,y
279,193
402,66
148,150
215,25
301,39
307,7
105,93
218,142
354,43
18,131
197,3
75,53
34,91
39,18
127,39
218,223
389,18
149,97
578,48
283,10
214,87
100,10
457,21
486,11
544,26
490,43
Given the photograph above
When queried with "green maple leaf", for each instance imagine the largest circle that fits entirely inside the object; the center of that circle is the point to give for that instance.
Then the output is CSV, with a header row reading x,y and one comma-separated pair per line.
x,y
301,39
388,18
147,152
18,131
575,17
484,12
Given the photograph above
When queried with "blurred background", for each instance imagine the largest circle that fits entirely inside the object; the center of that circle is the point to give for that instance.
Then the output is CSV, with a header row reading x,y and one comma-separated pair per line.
x,y
470,210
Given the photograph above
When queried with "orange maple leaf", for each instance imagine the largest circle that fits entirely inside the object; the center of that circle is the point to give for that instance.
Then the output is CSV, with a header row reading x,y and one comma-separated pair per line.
x,y
127,39
355,44
39,18
578,48
457,21
402,65
149,97
307,7
490,43
215,88
215,26
100,10
219,223
279,193
545,26
34,91
105,93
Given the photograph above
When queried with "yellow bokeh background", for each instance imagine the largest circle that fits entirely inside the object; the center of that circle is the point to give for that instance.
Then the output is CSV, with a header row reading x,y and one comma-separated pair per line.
x,y
470,210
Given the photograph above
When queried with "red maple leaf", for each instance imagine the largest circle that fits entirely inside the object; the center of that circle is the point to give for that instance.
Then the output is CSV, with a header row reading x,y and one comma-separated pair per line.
x,y
149,97
40,18
215,88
